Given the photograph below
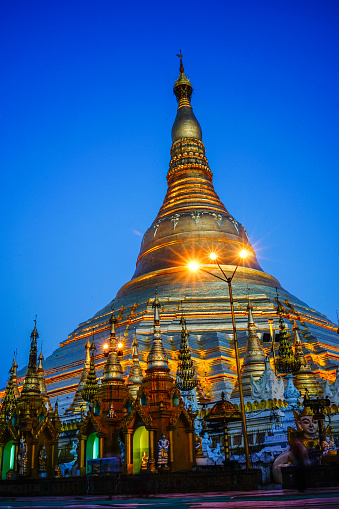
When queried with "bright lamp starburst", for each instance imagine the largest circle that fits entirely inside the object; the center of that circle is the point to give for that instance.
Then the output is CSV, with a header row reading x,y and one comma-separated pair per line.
x,y
193,266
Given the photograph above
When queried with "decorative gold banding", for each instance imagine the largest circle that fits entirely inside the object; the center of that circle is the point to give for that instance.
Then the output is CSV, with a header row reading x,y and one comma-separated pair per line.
x,y
180,209
201,239
174,202
184,102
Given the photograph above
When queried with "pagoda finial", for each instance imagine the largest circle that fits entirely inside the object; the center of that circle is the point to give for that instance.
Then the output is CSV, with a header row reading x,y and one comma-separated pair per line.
x,y
41,379
254,361
186,376
112,370
79,404
31,382
287,362
91,385
156,306
157,358
250,312
135,376
181,68
8,404
304,378
112,321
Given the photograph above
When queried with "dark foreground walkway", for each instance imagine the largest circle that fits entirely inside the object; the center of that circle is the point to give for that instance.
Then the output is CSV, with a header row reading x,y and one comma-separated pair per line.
x,y
238,500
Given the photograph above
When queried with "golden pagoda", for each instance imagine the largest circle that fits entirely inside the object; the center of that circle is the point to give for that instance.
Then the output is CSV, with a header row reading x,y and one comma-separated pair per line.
x,y
135,376
29,428
304,380
191,223
254,360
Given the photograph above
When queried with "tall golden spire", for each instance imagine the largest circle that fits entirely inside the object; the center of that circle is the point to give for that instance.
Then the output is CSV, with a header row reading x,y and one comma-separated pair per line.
x,y
79,404
91,385
192,217
186,377
304,378
183,91
286,362
31,382
42,383
14,377
135,376
254,360
8,404
157,358
112,371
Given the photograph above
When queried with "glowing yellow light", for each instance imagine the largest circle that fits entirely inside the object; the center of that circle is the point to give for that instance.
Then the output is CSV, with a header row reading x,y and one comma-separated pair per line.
x,y
193,266
213,256
243,253
120,345
105,346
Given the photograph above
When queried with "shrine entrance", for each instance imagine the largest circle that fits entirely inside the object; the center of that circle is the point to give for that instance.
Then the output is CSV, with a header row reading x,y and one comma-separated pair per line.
x,y
8,458
92,448
140,445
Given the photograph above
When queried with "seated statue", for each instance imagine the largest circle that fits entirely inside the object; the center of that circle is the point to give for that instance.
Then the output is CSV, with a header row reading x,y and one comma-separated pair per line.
x,y
144,461
163,446
198,447
304,442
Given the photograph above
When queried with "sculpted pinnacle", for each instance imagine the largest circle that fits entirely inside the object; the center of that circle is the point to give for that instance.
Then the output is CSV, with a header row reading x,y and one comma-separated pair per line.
x,y
79,404
112,371
157,358
186,376
304,378
31,382
91,385
135,375
254,360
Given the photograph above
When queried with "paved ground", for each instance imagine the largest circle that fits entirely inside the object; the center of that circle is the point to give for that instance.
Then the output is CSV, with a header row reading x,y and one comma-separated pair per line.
x,y
231,500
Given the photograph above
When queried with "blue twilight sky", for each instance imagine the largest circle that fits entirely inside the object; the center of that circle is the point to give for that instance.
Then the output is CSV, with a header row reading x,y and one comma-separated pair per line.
x,y
86,114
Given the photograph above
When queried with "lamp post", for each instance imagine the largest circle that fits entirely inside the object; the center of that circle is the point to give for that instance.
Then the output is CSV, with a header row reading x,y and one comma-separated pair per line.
x,y
228,279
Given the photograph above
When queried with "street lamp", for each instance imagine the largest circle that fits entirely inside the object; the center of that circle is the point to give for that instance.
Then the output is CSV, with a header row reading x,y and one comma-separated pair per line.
x,y
120,350
194,266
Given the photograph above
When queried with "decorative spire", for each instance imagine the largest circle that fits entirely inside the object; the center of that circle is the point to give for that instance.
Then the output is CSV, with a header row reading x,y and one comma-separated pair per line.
x,y
8,404
185,124
156,306
304,379
88,355
42,383
192,211
135,375
56,409
112,371
79,404
91,385
14,377
182,87
31,382
254,361
286,362
186,377
157,358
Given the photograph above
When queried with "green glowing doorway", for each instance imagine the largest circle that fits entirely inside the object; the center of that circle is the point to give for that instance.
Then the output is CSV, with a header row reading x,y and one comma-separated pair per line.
x,y
140,445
